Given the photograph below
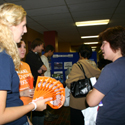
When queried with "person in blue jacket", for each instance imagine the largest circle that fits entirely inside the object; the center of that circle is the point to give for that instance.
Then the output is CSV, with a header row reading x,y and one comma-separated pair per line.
x,y
12,27
110,87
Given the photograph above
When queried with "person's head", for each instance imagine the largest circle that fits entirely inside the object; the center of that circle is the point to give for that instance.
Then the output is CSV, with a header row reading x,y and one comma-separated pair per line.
x,y
13,18
49,50
113,42
12,27
22,49
37,45
85,51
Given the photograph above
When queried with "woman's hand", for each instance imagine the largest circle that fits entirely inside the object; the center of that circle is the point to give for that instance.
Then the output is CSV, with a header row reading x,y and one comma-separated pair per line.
x,y
27,93
41,103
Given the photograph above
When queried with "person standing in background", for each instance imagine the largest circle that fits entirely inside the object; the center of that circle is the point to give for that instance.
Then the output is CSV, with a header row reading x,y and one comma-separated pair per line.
x,y
78,104
26,93
37,68
12,28
25,75
49,50
34,60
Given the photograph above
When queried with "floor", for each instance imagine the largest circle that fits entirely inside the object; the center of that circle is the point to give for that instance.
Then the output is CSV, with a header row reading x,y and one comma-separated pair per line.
x,y
64,117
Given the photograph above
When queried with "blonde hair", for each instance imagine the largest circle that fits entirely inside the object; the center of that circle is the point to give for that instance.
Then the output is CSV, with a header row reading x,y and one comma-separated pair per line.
x,y
10,15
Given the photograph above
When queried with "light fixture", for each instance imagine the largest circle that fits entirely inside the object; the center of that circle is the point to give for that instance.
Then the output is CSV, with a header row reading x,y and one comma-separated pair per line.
x,y
93,22
95,36
93,47
91,43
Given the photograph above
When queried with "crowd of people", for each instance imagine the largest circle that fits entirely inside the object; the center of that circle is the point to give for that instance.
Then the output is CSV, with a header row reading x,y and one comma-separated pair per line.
x,y
18,78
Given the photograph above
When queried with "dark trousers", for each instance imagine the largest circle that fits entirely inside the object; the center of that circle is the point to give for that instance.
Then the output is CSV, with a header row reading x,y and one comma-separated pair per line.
x,y
38,118
76,117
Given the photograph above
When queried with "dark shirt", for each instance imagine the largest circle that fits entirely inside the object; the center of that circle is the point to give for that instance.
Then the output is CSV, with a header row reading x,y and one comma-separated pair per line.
x,y
9,81
35,62
112,84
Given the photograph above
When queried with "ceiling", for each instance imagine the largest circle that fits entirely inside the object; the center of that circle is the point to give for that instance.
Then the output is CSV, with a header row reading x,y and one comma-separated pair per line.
x,y
61,15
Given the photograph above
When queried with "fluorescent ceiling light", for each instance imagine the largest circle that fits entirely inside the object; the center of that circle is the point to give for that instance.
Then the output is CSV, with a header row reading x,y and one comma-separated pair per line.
x,y
93,47
93,22
95,36
91,43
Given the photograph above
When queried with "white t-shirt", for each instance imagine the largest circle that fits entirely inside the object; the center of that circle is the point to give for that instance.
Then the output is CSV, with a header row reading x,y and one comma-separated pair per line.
x,y
46,63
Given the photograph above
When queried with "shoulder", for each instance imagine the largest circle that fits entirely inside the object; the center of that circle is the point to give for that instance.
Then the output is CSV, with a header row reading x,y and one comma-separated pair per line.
x,y
117,66
90,69
83,62
30,53
114,65
88,63
30,56
4,54
110,69
24,64
4,57
6,63
43,57
75,69
92,63
74,65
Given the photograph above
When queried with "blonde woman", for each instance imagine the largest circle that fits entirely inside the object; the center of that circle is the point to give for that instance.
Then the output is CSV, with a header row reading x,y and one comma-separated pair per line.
x,y
12,27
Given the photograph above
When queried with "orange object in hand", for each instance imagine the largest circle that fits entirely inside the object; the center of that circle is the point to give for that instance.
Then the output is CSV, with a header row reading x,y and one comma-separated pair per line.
x,y
30,81
47,87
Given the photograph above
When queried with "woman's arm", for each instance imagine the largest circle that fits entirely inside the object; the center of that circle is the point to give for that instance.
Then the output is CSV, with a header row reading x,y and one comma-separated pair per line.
x,y
12,113
94,97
